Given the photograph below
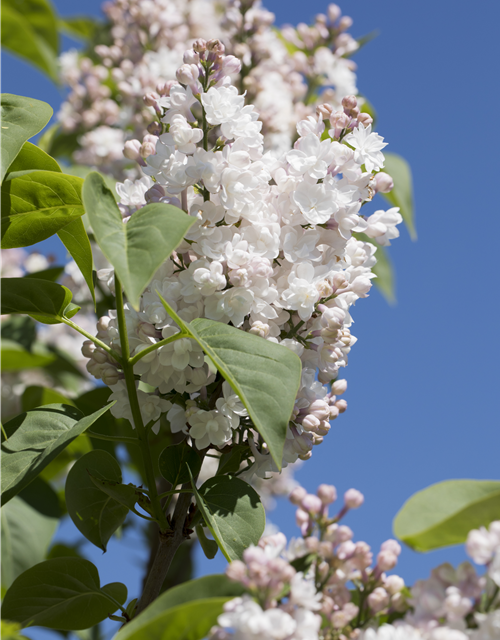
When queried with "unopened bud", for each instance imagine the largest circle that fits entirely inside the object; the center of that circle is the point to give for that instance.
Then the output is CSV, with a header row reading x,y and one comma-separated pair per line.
x,y
339,387
187,73
386,560
215,46
349,102
110,376
324,110
312,544
200,45
334,12
378,599
311,503
345,23
341,405
394,584
353,498
100,356
88,348
383,182
297,495
155,193
151,100
230,65
327,493
155,129
365,119
131,150
391,545
191,57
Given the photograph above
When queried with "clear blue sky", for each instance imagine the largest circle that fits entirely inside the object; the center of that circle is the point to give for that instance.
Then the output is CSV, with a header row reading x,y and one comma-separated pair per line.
x,y
423,377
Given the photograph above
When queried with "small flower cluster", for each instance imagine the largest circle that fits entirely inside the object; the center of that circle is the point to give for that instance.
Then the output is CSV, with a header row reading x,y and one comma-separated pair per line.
x,y
286,74
323,586
272,251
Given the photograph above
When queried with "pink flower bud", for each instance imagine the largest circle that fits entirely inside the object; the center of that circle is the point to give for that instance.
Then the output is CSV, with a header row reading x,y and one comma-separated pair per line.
x,y
353,498
163,88
155,128
334,412
312,544
383,182
326,549
155,193
301,518
151,100
386,560
311,503
100,355
230,65
320,409
215,46
378,599
131,150
345,23
310,423
349,102
200,45
394,584
324,110
344,533
341,405
297,495
148,149
365,119
187,73
334,12
110,376
327,493
88,348
236,571
191,57
391,545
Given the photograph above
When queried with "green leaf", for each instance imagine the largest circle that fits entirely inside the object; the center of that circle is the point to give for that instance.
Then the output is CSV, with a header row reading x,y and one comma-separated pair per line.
x,y
174,462
15,358
444,513
32,158
75,239
21,118
230,462
266,376
34,439
34,396
26,536
62,593
45,301
41,496
209,547
81,27
233,512
94,513
138,248
20,329
126,494
402,194
190,621
52,273
151,622
82,171
37,204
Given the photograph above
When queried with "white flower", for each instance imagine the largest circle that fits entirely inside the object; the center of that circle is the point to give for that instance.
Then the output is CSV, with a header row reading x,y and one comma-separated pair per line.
x,y
480,545
231,406
301,295
209,427
382,225
209,279
368,147
233,304
132,192
311,157
303,593
180,102
182,135
249,622
388,632
315,203
489,626
222,104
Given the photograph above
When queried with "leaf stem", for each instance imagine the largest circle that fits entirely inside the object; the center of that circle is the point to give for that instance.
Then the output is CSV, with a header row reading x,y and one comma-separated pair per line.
x,y
95,340
135,408
4,432
153,347
173,492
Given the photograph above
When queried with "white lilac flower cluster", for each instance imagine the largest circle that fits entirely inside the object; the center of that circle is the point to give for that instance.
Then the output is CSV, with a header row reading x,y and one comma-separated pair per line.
x,y
285,73
272,251
323,585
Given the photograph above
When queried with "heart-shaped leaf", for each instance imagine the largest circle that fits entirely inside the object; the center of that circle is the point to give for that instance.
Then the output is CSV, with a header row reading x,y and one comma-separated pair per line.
x,y
62,593
233,512
21,118
444,513
37,204
45,301
151,622
138,248
402,194
35,438
175,460
265,375
94,513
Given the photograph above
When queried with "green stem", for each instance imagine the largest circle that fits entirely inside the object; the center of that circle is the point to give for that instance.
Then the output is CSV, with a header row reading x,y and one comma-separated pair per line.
x,y
4,433
135,408
101,436
153,347
294,329
174,492
95,340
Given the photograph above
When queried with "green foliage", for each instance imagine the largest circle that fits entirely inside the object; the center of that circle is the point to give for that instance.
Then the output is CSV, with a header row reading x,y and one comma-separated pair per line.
x,y
37,204
75,239
34,439
52,274
41,496
126,494
209,547
138,248
26,536
154,622
444,513
175,461
45,301
34,396
266,376
21,118
58,143
62,593
233,512
15,358
80,27
20,329
32,158
402,194
94,513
